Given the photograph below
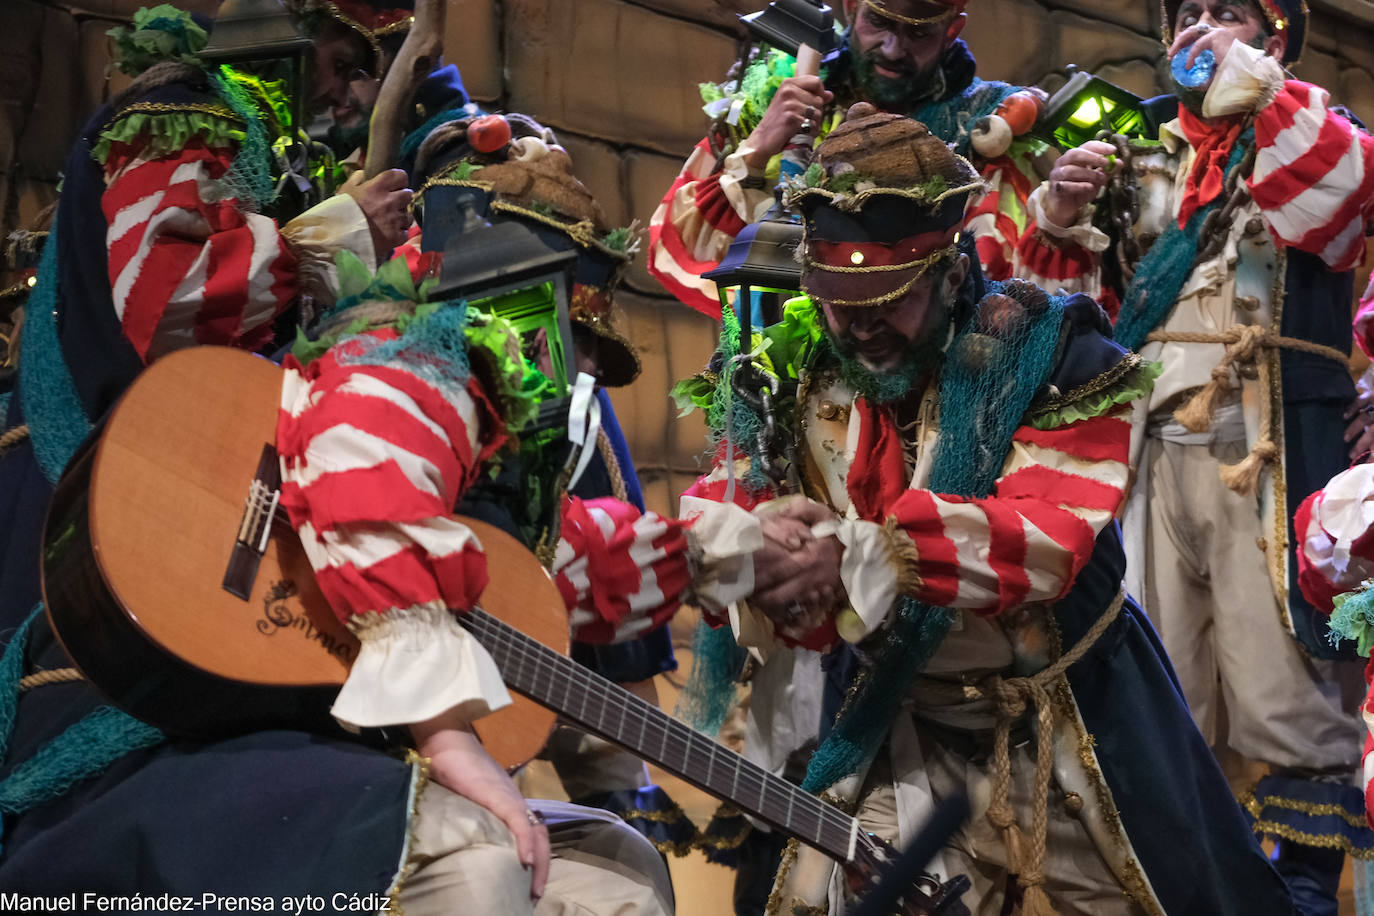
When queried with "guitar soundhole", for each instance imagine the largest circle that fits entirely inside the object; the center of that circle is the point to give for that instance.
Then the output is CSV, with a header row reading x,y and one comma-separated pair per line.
x,y
280,613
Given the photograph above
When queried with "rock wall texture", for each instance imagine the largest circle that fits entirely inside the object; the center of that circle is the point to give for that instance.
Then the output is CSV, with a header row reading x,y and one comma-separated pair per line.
x,y
618,79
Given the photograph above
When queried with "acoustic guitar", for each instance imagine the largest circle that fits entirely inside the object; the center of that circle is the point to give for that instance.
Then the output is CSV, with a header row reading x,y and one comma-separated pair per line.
x,y
178,589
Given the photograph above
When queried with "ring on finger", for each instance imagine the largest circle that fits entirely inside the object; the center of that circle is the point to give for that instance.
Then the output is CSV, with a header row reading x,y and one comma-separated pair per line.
x,y
810,113
535,818
1367,410
806,125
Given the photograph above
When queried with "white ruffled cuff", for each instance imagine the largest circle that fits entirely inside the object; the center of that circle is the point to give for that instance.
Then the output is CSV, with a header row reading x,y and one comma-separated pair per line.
x,y
319,233
723,537
1346,513
1082,232
751,204
1247,80
871,577
414,664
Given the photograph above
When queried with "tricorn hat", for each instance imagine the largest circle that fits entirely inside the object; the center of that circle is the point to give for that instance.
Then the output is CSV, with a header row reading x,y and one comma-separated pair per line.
x,y
882,204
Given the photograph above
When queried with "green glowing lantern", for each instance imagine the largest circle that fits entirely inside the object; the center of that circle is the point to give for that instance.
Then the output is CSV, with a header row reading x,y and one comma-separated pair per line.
x,y
1088,105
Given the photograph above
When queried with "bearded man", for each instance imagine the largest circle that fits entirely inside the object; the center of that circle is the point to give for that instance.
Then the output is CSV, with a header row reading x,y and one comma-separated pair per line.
x,y
904,56
1252,214
961,445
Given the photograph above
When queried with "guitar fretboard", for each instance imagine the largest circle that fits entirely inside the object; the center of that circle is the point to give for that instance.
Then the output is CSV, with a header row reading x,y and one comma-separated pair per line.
x,y
593,703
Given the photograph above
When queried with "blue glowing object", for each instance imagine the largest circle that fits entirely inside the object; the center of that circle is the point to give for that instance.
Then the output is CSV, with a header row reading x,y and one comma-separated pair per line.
x,y
1199,74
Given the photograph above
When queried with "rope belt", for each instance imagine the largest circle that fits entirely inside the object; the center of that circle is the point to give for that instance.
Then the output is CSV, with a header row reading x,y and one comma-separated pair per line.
x,y
13,437
1011,698
1244,346
50,676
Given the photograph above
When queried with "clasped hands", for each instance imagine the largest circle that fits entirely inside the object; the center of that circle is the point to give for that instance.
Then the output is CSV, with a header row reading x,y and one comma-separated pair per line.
x,y
796,573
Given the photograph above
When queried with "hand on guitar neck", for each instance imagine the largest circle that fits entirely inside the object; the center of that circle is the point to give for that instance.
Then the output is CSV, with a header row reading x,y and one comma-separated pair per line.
x,y
459,763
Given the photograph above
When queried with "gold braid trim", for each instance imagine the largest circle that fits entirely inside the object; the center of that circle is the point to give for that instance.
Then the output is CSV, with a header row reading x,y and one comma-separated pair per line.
x,y
923,264
1133,883
13,437
716,844
421,772
50,676
439,181
895,294
901,553
886,13
672,816
219,111
1250,802
583,232
1092,386
789,858
846,200
1320,841
1277,555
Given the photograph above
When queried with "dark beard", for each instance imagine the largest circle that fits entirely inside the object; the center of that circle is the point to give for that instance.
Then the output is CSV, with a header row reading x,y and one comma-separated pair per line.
x,y
897,95
891,385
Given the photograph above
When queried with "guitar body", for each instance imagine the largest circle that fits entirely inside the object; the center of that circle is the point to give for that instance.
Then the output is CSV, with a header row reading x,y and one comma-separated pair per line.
x,y
136,547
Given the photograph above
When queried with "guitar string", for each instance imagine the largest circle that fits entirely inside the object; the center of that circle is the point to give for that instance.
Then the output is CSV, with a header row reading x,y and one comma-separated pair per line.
x,y
682,739
749,777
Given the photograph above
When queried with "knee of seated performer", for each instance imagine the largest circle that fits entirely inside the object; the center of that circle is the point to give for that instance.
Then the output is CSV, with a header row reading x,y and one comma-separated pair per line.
x,y
631,875
480,878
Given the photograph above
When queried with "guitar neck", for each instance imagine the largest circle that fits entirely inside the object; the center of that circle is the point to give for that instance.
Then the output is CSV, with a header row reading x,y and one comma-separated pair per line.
x,y
596,705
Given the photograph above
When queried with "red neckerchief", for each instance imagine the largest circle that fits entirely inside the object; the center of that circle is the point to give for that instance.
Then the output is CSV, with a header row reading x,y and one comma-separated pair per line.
x,y
1211,142
877,476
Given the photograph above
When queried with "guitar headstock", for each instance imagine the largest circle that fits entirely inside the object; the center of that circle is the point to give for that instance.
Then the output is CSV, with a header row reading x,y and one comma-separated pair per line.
x,y
881,889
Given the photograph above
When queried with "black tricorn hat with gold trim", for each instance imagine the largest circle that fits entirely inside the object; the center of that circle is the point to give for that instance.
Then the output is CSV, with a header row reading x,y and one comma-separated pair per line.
x,y
882,204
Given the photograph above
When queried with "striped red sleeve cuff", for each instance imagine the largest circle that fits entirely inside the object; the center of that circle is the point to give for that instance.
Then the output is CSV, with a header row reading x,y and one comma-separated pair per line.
x,y
186,267
1029,540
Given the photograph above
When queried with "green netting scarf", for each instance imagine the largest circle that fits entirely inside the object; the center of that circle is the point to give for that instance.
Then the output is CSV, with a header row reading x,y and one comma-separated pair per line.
x,y
984,395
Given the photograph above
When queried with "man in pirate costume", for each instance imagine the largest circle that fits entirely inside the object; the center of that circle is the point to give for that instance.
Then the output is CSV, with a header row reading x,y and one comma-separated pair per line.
x,y
537,184
905,56
961,447
1253,208
152,251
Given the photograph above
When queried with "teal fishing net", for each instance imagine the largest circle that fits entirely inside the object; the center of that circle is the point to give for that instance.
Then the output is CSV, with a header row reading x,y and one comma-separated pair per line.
x,y
993,370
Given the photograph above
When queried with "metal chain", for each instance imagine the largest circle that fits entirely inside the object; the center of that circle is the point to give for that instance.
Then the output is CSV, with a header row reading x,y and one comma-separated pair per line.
x,y
1123,195
1237,196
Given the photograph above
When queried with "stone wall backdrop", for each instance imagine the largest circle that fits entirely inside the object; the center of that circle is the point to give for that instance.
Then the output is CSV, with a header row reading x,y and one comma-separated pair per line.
x,y
618,80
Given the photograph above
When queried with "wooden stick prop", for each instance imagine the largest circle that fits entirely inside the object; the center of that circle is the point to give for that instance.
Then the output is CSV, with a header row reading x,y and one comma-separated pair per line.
x,y
796,155
419,53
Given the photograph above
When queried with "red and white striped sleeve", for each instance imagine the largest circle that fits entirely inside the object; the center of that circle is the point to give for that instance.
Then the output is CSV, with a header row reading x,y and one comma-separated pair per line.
x,y
621,572
373,459
1314,175
1335,530
998,219
189,266
1061,257
702,213
1030,539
